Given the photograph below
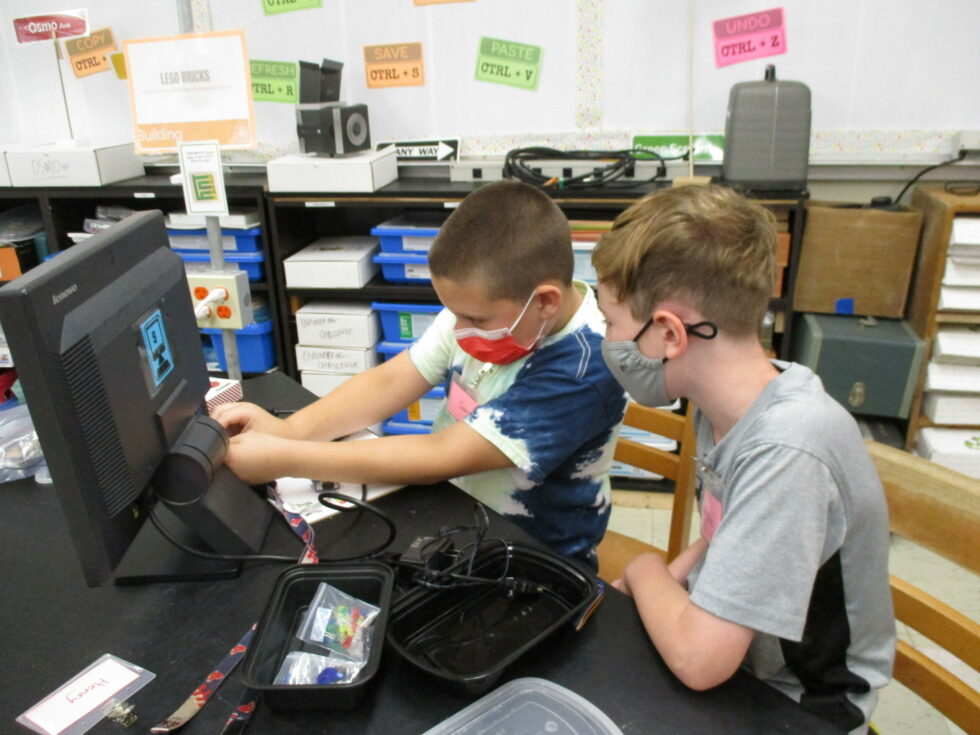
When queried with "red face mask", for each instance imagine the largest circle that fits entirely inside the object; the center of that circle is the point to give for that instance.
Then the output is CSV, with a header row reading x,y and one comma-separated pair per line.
x,y
497,346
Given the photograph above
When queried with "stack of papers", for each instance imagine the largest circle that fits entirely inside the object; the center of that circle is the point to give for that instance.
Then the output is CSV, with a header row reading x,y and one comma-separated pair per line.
x,y
953,378
958,449
957,346
299,495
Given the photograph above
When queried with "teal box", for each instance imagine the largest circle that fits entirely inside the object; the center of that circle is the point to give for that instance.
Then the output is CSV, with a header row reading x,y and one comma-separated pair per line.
x,y
871,366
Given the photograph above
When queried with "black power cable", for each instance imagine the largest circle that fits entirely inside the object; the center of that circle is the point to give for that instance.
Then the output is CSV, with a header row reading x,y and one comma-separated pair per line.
x,y
959,157
615,165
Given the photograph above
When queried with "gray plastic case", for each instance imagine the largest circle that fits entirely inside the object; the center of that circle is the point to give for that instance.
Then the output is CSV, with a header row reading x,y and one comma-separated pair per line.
x,y
767,134
529,705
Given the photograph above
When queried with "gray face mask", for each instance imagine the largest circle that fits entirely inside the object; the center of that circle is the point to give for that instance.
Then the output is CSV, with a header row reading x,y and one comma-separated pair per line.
x,y
644,378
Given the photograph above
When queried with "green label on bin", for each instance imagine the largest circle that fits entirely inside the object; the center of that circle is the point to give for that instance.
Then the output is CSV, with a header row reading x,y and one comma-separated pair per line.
x,y
506,62
405,325
275,81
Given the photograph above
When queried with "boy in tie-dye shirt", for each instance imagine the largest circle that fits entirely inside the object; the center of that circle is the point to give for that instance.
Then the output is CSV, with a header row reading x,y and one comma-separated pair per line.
x,y
530,419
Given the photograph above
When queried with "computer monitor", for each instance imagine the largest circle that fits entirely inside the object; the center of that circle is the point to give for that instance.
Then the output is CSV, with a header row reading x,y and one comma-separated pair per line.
x,y
106,345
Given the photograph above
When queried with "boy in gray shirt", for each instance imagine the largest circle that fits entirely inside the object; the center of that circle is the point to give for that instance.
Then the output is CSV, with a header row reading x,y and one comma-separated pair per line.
x,y
789,577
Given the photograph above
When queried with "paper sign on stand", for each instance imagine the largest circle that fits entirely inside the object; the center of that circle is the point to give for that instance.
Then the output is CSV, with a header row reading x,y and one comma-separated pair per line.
x,y
202,178
63,24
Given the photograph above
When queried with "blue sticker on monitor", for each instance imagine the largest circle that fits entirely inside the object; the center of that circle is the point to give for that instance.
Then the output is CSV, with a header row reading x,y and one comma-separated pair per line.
x,y
158,356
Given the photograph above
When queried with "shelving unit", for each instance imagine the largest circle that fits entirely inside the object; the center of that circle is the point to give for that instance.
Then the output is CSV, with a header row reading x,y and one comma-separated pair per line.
x,y
296,220
939,208
65,208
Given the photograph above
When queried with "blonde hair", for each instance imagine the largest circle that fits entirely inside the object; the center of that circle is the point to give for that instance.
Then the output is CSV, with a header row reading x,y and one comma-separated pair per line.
x,y
509,236
706,246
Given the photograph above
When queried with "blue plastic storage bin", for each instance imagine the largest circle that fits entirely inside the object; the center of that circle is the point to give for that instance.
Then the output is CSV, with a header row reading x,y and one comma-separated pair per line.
x,y
404,267
424,410
403,427
409,232
256,352
405,322
251,263
237,241
388,350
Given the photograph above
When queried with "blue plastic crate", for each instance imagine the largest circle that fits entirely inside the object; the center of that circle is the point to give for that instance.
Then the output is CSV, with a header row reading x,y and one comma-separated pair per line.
x,y
232,241
405,322
404,267
412,232
402,427
424,410
256,351
388,350
251,263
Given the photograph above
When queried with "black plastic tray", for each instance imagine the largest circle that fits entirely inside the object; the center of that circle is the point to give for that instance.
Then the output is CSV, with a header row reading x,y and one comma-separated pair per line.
x,y
275,635
466,636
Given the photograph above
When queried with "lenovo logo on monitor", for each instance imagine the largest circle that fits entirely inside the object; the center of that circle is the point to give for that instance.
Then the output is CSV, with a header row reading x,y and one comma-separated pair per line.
x,y
59,297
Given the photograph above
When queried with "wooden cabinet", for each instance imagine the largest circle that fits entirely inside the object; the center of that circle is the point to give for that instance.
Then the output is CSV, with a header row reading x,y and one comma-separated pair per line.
x,y
939,209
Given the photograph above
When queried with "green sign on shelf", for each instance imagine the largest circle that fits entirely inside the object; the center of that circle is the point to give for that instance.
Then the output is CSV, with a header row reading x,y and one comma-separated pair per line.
x,y
706,147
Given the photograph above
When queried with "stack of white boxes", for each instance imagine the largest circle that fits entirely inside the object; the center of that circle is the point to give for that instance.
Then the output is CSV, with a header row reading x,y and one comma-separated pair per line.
x,y
952,387
336,341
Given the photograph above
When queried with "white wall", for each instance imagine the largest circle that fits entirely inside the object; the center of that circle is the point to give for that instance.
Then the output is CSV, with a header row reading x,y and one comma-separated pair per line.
x,y
895,77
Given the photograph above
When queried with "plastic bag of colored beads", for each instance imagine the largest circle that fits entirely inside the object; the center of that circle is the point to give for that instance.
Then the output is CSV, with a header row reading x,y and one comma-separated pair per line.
x,y
339,623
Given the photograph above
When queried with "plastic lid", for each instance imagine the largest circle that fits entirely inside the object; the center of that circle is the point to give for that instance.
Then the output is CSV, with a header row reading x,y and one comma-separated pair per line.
x,y
529,705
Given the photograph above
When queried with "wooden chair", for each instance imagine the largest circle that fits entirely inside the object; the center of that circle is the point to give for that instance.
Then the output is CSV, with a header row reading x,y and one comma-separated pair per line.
x,y
616,549
938,509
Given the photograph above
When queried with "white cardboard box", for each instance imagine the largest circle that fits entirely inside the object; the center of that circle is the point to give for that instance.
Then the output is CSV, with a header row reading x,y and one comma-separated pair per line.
x,y
364,171
54,165
336,324
322,383
345,360
333,262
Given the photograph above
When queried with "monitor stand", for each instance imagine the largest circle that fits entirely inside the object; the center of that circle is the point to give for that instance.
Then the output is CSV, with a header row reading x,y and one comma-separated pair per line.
x,y
229,518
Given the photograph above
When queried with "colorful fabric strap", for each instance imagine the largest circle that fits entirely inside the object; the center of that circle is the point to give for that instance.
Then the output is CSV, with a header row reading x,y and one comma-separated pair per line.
x,y
246,705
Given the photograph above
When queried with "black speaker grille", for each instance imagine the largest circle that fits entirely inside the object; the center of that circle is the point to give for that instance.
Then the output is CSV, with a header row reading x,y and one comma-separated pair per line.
x,y
99,432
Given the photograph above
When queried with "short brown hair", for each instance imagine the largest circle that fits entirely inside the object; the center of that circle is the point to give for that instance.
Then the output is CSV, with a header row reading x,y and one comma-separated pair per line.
x,y
509,236
706,245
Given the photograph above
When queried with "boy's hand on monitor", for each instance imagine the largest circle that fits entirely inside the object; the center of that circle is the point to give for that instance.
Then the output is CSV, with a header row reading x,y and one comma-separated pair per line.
x,y
238,418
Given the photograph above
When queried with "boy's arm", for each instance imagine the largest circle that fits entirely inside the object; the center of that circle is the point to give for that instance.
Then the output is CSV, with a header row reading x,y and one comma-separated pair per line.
x,y
394,460
363,400
701,649
682,565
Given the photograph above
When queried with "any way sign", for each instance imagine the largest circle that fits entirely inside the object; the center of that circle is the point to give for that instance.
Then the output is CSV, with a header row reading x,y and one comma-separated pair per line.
x,y
424,150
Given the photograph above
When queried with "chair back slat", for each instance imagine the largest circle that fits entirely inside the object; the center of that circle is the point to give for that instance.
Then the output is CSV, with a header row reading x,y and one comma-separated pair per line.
x,y
931,505
648,458
655,420
941,623
947,693
938,509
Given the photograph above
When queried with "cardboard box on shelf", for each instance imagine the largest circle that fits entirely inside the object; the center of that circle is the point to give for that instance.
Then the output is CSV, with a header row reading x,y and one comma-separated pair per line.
x,y
363,172
337,324
856,260
333,262
72,165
